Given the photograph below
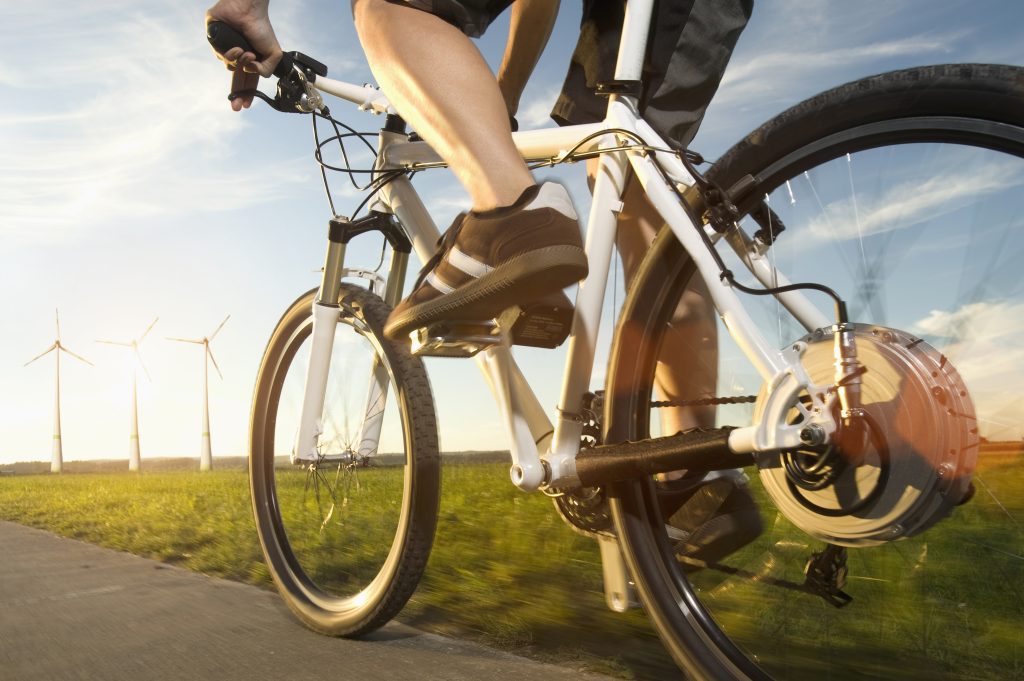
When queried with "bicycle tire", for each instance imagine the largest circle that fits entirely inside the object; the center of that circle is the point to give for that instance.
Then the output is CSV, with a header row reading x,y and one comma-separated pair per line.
x,y
313,568
970,106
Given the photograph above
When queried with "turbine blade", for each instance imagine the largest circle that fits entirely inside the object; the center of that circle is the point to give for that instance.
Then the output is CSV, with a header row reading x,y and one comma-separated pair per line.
x,y
210,353
57,314
142,364
110,342
184,340
79,357
217,330
42,354
148,329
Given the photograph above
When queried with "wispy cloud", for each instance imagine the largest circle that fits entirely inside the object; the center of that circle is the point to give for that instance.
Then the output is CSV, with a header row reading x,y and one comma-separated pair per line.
x,y
773,73
537,112
911,203
132,121
993,320
985,342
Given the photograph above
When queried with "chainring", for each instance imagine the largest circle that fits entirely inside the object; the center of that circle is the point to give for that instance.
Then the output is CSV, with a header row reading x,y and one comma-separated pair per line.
x,y
585,509
898,469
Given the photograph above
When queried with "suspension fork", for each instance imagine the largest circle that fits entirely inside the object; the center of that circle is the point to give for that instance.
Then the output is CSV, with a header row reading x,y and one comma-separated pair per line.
x,y
326,313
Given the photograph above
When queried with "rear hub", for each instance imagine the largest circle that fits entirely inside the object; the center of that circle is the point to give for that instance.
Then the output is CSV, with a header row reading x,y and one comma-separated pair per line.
x,y
896,467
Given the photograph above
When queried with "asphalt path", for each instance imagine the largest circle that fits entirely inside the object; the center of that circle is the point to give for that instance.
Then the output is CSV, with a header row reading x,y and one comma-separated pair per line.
x,y
71,610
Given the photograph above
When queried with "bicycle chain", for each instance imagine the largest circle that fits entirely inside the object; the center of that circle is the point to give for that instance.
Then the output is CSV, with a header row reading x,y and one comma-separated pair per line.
x,y
586,510
705,401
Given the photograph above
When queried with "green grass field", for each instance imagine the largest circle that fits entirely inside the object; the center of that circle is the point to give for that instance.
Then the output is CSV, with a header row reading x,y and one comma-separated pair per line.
x,y
505,570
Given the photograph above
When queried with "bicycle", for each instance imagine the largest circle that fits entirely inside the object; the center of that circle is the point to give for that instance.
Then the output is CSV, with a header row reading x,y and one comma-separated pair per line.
x,y
862,434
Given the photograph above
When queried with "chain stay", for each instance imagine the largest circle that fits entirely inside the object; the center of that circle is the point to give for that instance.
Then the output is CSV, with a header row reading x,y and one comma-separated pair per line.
x,y
705,401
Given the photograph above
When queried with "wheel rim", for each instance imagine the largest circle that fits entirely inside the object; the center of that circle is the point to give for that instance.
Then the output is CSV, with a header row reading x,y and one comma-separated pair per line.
x,y
937,229
339,526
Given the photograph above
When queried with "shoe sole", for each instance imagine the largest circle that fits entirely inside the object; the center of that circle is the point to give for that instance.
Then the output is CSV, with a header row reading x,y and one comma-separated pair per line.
x,y
520,279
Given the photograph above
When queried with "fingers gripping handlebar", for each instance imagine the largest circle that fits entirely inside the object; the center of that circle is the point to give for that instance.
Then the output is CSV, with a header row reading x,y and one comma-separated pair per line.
x,y
223,37
293,68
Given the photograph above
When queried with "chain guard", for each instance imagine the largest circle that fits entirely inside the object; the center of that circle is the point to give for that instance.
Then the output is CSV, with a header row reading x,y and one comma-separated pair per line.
x,y
910,463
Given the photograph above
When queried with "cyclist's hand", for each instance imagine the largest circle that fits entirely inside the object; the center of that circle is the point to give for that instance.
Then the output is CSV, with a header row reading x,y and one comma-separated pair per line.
x,y
250,18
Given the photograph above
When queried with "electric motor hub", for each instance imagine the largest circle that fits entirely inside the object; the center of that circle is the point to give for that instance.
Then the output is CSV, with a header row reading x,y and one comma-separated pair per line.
x,y
899,465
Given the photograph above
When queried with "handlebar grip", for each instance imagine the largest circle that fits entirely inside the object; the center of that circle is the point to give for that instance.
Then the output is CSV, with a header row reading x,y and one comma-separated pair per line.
x,y
223,37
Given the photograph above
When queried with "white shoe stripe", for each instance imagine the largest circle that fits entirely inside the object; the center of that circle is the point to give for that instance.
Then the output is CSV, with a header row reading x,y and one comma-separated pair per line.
x,y
436,282
466,263
553,195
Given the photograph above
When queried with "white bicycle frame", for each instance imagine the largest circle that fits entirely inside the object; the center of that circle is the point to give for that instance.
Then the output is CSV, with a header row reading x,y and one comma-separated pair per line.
x,y
544,455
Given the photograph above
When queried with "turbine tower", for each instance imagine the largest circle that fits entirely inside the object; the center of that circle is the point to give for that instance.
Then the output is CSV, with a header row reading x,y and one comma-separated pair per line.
x,y
206,452
134,454
57,460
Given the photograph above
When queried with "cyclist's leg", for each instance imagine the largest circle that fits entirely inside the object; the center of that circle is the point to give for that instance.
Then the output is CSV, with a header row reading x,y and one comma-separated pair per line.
x,y
439,82
709,516
520,241
690,370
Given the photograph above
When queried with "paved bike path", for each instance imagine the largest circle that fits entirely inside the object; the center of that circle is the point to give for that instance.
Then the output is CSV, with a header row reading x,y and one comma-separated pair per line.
x,y
71,610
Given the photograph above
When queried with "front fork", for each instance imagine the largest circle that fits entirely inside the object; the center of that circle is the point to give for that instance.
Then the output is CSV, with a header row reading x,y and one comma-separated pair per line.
x,y
326,313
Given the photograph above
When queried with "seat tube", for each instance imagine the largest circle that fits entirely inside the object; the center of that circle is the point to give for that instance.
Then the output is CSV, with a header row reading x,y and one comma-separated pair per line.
x,y
604,210
633,44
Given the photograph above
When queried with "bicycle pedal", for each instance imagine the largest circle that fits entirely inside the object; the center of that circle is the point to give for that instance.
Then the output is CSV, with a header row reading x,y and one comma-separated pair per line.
x,y
455,339
543,323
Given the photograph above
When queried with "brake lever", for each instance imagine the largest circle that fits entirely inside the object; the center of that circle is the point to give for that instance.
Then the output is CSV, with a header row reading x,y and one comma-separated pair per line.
x,y
271,101
284,104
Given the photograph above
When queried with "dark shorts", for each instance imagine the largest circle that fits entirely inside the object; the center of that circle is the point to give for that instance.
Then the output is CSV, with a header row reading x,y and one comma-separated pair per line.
x,y
472,17
689,48
687,53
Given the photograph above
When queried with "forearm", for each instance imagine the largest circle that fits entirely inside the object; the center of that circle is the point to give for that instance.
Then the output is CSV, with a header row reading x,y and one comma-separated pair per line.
x,y
530,28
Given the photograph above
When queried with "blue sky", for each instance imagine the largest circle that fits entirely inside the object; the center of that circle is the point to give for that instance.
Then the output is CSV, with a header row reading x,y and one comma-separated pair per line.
x,y
129,190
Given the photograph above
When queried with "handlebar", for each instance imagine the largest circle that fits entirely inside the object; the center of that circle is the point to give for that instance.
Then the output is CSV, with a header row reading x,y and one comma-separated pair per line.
x,y
223,37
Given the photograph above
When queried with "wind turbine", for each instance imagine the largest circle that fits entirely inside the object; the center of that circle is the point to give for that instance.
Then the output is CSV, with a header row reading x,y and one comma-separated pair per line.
x,y
57,461
206,453
134,456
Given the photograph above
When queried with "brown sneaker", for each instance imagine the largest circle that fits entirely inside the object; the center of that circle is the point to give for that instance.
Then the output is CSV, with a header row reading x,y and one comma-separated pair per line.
x,y
487,262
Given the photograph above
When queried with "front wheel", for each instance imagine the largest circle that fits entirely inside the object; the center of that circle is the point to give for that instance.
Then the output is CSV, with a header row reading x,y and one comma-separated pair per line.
x,y
346,537
903,192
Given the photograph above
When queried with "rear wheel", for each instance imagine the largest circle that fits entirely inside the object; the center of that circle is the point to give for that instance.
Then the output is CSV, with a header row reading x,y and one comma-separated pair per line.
x,y
345,538
903,192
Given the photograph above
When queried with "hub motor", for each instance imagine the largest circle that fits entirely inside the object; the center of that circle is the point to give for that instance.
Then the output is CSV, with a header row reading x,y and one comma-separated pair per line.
x,y
899,464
